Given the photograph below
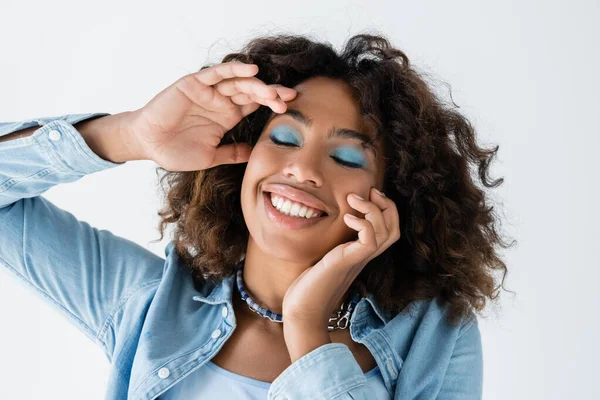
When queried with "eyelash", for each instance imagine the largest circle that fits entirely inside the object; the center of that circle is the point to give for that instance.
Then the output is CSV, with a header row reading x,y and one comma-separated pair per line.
x,y
342,162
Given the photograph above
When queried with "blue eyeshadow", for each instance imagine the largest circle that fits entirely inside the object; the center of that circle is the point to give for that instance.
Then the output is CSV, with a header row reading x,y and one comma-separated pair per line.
x,y
351,155
285,134
347,154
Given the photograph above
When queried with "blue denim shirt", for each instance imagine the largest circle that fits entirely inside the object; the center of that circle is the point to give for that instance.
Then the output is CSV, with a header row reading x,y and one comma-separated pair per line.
x,y
156,328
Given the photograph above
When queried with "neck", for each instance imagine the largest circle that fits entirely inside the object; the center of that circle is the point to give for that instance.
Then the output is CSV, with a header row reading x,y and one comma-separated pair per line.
x,y
267,278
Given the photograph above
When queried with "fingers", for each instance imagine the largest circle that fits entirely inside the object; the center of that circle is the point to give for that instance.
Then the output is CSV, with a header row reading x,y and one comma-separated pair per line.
x,y
253,85
253,103
212,75
381,218
246,90
234,82
389,210
233,78
373,217
244,99
249,108
250,85
285,93
276,105
367,237
231,154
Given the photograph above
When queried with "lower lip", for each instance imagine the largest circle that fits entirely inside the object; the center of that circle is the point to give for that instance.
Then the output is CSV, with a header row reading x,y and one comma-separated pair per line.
x,y
285,220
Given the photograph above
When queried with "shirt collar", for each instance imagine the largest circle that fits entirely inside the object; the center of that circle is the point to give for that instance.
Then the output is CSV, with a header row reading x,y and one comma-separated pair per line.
x,y
222,292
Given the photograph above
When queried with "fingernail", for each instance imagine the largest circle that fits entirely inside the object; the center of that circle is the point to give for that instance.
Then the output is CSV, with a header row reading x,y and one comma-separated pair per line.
x,y
379,193
357,196
351,216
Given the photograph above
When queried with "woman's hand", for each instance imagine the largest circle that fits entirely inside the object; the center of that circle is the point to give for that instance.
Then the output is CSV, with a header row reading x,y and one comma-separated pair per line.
x,y
181,127
311,298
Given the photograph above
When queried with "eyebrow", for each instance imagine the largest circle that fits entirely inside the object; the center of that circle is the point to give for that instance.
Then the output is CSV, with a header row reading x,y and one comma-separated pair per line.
x,y
333,132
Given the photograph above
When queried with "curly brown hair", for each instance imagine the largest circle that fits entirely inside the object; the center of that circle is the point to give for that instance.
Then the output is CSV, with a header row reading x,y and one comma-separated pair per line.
x,y
448,233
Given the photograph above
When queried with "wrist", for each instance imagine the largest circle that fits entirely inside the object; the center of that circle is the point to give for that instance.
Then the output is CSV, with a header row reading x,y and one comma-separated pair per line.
x,y
110,137
128,138
301,339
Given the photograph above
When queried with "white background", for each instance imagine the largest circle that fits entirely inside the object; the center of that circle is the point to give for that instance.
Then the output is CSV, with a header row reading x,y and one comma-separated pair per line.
x,y
525,73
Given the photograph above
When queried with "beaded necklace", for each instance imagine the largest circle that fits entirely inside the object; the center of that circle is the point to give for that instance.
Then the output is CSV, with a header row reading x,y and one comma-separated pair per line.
x,y
340,319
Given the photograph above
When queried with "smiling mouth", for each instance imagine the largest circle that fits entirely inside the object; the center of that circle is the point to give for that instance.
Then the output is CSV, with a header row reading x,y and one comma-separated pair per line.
x,y
320,212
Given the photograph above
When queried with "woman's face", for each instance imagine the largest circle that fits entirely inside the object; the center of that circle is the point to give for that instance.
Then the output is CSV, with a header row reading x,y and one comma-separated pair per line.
x,y
294,154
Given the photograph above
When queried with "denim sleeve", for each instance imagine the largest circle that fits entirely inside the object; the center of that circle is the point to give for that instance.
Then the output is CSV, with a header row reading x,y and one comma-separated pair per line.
x,y
85,272
328,372
464,376
331,372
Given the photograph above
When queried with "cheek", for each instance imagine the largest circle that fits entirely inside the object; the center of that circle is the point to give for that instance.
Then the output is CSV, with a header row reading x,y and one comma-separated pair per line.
x,y
262,157
259,167
359,185
259,164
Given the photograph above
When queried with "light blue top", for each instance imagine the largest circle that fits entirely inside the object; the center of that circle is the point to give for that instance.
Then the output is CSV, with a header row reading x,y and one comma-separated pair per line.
x,y
156,329
214,382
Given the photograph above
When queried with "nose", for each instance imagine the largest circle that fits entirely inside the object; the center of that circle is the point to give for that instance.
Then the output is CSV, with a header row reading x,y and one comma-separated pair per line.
x,y
304,166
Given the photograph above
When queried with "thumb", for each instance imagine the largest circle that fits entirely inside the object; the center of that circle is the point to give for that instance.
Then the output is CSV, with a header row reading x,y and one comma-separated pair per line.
x,y
231,154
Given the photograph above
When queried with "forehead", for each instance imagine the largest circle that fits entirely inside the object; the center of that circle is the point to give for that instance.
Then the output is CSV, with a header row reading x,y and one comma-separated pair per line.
x,y
328,102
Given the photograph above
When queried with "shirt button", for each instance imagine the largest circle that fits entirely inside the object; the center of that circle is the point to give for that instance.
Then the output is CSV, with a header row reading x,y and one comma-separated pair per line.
x,y
224,311
216,333
163,372
54,135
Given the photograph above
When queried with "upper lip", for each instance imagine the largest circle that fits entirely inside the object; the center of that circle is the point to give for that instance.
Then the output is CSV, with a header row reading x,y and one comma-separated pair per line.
x,y
295,194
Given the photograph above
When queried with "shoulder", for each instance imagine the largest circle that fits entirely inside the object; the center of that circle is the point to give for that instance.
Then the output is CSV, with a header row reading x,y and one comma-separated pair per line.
x,y
425,323
430,312
434,355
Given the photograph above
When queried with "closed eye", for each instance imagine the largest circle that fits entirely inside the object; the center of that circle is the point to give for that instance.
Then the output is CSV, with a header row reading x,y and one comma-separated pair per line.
x,y
338,160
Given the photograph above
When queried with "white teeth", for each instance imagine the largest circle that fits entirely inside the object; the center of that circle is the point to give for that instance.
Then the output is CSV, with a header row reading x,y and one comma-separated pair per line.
x,y
286,207
302,211
291,208
295,208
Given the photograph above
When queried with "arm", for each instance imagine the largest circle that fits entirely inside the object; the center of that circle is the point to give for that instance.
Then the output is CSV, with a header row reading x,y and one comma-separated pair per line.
x,y
86,273
328,372
333,372
106,135
319,369
464,376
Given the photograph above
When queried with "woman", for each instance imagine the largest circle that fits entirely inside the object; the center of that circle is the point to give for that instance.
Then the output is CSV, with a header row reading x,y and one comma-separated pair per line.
x,y
279,282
